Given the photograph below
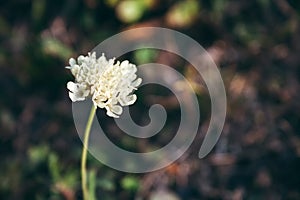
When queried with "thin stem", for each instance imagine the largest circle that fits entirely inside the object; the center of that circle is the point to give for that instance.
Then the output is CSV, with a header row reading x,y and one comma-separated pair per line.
x,y
84,153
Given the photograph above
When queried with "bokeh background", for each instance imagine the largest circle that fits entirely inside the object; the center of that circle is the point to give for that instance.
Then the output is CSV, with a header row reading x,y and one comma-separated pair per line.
x,y
255,43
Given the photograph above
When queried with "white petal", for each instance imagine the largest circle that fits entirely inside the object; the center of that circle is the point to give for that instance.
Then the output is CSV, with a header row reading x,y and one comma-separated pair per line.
x,y
74,97
122,102
80,59
124,63
127,100
75,69
117,109
85,93
93,55
136,83
131,99
111,114
72,86
72,62
131,77
101,104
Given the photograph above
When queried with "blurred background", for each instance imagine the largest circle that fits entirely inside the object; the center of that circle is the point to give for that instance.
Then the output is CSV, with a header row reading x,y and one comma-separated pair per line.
x,y
255,43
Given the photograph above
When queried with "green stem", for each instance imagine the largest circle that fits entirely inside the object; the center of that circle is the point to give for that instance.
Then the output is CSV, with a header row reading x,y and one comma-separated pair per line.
x,y
84,153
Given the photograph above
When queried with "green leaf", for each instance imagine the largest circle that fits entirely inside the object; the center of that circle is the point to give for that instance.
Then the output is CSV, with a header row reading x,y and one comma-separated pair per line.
x,y
130,183
38,154
143,56
54,167
106,184
130,11
92,184
52,46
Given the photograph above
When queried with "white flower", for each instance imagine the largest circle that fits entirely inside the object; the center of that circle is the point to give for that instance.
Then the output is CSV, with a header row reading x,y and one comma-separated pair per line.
x,y
109,83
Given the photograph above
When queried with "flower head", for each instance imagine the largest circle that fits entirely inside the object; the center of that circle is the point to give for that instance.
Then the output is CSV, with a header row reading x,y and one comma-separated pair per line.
x,y
109,83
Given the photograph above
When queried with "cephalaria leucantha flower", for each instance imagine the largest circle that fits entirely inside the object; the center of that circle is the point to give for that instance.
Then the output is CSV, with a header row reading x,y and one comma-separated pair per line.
x,y
110,84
